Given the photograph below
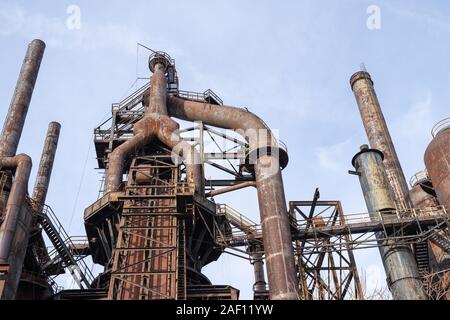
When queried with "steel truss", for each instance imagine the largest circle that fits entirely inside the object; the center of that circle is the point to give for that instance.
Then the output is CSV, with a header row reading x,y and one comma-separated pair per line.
x,y
149,258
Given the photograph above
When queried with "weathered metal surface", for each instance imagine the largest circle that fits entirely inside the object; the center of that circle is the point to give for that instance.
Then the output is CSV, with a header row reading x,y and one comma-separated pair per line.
x,y
46,165
9,282
155,124
22,165
421,199
437,162
378,134
15,119
272,205
398,260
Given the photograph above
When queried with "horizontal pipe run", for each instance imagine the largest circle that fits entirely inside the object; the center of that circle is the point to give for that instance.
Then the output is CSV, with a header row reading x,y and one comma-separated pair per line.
x,y
231,188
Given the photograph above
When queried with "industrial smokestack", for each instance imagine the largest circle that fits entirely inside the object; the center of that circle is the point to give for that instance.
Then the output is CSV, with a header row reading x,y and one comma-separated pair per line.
x,y
398,260
257,261
378,135
15,119
46,165
14,229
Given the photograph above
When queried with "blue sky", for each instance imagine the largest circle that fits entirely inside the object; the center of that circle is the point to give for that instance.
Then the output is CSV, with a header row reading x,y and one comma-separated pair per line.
x,y
288,62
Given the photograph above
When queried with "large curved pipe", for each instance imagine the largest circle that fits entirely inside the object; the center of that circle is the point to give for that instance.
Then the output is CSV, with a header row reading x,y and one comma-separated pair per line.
x,y
269,184
155,124
22,166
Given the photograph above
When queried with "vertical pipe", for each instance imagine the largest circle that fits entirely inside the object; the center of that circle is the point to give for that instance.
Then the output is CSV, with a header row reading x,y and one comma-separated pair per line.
x,y
277,238
398,260
378,134
46,165
276,230
258,268
437,162
15,119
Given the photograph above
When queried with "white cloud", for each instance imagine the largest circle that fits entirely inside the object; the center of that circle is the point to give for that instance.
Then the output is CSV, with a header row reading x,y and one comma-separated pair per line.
x,y
16,21
416,122
12,19
334,157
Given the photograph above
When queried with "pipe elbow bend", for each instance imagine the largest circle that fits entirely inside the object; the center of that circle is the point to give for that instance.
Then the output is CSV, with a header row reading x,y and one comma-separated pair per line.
x,y
24,159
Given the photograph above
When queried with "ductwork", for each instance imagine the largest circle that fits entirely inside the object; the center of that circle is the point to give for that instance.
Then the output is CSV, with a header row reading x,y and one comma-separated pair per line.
x,y
155,124
379,136
272,205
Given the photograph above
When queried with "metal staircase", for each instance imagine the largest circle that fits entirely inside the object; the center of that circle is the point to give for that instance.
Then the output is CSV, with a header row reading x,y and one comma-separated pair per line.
x,y
441,240
422,258
63,257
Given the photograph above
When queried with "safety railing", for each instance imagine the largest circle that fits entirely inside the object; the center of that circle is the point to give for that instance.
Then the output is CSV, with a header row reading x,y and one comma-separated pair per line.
x,y
77,266
441,125
384,218
419,177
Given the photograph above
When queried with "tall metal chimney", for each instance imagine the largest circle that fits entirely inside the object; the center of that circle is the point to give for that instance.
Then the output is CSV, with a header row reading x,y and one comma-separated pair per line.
x,y
15,228
46,165
400,266
378,134
18,108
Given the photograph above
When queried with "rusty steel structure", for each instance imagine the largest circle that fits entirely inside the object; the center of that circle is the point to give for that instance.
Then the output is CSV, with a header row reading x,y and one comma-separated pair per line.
x,y
15,215
46,165
437,161
401,268
378,134
156,223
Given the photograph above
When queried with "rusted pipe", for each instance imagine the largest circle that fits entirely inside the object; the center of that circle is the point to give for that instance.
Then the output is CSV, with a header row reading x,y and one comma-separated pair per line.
x,y
22,165
15,119
378,134
231,188
399,263
155,124
46,165
274,217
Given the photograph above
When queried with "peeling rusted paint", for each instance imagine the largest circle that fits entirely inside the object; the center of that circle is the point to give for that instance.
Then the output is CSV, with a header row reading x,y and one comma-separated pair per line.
x,y
378,134
46,165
